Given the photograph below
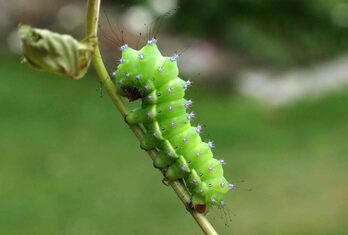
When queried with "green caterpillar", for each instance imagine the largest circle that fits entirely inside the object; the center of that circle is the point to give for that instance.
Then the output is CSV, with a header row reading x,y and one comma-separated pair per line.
x,y
147,75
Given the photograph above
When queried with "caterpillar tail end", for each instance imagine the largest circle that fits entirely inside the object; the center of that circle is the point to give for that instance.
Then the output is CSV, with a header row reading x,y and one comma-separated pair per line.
x,y
199,205
200,208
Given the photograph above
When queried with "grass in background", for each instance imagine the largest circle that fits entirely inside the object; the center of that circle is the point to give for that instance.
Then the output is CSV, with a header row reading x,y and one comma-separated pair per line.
x,y
69,165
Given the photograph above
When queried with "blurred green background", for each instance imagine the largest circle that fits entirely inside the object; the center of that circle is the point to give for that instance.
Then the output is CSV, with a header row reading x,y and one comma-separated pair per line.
x,y
69,165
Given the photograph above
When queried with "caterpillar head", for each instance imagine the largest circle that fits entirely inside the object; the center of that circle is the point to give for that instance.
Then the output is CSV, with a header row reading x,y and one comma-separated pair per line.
x,y
140,71
131,92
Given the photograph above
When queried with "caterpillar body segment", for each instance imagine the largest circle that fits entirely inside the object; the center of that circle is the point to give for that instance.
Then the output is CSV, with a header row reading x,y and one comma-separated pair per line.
x,y
147,75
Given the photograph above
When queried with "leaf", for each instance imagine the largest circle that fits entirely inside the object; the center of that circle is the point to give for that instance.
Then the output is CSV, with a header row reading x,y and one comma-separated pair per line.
x,y
56,53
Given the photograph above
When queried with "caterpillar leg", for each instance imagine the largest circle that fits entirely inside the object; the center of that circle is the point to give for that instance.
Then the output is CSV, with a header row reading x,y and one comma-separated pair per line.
x,y
149,142
178,169
141,115
163,161
200,208
165,181
153,137
189,206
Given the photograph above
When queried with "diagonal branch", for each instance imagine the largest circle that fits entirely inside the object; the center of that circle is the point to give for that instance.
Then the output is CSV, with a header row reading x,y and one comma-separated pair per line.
x,y
93,8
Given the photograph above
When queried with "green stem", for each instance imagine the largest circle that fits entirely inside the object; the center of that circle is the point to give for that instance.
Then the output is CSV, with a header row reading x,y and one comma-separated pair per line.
x,y
93,8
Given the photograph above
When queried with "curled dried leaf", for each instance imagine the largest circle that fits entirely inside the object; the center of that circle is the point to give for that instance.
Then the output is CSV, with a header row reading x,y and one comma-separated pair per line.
x,y
56,53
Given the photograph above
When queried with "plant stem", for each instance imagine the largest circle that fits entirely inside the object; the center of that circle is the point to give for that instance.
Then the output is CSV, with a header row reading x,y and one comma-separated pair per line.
x,y
93,8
